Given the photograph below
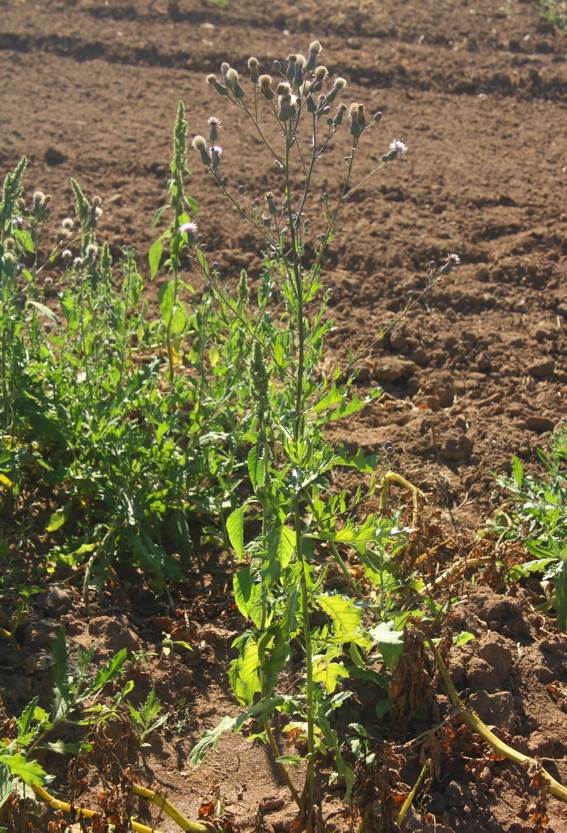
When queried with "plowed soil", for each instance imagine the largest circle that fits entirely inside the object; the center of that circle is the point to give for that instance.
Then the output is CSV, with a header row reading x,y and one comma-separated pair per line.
x,y
476,372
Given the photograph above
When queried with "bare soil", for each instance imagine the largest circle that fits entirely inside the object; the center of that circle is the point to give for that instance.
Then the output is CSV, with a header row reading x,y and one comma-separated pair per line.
x,y
475,373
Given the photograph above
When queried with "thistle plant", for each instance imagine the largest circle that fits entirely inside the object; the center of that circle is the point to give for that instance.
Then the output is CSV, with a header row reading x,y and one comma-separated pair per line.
x,y
282,584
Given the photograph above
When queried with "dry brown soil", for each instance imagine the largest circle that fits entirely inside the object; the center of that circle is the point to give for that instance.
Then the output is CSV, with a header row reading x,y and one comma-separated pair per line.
x,y
476,372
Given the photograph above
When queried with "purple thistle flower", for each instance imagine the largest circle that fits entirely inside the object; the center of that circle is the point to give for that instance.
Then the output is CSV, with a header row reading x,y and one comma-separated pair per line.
x,y
216,153
188,228
398,146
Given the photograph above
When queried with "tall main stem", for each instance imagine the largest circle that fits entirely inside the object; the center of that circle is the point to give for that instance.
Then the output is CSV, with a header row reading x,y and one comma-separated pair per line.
x,y
298,434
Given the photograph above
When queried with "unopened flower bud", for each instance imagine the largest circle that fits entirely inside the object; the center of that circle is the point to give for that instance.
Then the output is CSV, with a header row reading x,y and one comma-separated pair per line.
x,y
96,201
377,116
253,65
20,203
91,251
38,198
315,50
265,83
233,83
98,212
199,143
224,69
272,208
341,110
220,88
9,258
290,71
283,88
78,262
67,223
276,66
321,73
9,244
357,120
67,254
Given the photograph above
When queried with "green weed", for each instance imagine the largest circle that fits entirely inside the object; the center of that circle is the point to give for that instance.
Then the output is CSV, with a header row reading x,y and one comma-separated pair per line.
x,y
555,12
536,515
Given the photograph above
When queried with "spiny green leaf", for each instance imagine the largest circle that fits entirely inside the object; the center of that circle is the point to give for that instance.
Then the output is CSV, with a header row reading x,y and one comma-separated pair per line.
x,y
346,617
29,771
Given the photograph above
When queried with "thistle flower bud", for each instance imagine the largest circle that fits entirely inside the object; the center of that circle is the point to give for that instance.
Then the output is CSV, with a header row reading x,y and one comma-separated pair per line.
x,y
67,223
285,109
66,254
98,212
265,82
272,208
283,88
377,116
321,73
395,149
38,199
337,87
224,69
199,143
96,201
299,74
315,50
357,119
9,244
216,153
20,203
276,66
231,77
290,71
91,251
341,110
9,258
214,125
46,200
253,65
233,82
78,262
220,88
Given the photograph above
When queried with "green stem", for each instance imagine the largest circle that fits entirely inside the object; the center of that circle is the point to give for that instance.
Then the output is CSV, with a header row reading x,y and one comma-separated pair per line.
x,y
298,433
169,328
